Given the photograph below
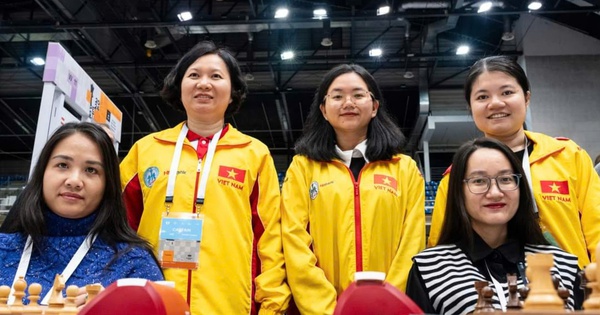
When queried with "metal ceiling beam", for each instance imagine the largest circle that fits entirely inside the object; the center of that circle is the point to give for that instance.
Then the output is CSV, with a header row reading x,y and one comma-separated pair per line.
x,y
243,25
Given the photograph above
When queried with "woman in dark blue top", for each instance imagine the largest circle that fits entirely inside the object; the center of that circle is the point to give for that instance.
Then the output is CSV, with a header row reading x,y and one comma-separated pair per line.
x,y
70,218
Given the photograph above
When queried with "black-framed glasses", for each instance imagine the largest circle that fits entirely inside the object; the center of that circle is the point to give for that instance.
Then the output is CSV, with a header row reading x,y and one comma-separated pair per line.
x,y
357,97
481,184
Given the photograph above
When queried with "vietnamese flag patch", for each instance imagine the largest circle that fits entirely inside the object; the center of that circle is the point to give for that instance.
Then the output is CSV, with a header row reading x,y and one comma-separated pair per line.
x,y
555,187
232,173
385,180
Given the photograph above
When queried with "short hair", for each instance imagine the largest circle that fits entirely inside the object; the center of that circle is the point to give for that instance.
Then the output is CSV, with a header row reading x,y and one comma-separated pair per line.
x,y
171,91
26,216
524,225
495,63
384,137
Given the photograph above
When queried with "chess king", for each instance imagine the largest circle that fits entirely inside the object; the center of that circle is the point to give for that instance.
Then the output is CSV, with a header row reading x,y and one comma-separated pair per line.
x,y
70,218
488,229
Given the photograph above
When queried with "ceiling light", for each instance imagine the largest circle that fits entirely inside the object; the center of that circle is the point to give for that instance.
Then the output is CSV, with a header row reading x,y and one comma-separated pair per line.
x,y
281,13
375,52
462,50
508,36
408,75
485,6
326,42
384,9
38,61
150,44
286,55
320,14
184,16
534,5
249,77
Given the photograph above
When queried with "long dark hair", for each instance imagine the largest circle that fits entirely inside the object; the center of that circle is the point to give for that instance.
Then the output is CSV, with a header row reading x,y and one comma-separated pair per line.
x,y
495,63
524,225
384,138
27,214
171,91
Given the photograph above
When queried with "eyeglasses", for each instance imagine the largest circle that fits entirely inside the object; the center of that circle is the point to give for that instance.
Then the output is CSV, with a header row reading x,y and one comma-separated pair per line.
x,y
357,97
481,185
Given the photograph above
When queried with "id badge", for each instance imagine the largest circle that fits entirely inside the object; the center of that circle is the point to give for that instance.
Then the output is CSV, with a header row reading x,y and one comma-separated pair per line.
x,y
179,240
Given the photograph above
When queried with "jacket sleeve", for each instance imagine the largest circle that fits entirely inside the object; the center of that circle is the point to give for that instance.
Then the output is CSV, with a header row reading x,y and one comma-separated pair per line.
x,y
132,190
416,290
272,292
439,210
588,195
313,293
412,240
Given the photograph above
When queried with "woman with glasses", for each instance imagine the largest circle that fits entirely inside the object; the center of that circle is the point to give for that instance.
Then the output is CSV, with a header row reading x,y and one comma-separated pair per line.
x,y
489,227
350,200
558,172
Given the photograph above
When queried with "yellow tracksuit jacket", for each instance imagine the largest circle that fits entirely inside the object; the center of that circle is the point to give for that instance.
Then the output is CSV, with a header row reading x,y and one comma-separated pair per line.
x,y
241,269
333,226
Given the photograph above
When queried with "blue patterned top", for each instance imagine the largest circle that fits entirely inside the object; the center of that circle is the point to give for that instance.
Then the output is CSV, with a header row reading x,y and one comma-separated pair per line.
x,y
63,239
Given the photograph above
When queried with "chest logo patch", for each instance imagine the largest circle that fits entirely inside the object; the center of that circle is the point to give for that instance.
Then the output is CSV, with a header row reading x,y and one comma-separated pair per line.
x,y
313,191
150,175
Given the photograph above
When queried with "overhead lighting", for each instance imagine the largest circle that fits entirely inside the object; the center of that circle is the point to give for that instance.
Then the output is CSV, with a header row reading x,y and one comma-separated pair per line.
x,y
508,36
462,50
286,55
38,61
326,42
150,44
249,77
408,75
319,14
485,6
281,13
534,5
184,16
375,52
383,10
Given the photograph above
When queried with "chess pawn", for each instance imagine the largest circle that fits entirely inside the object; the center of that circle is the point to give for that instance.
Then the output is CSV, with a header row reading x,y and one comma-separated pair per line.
x,y
591,274
4,292
70,306
563,292
33,308
542,295
514,301
19,293
484,300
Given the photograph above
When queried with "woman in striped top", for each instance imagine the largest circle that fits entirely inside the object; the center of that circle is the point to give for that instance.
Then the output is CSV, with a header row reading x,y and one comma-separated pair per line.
x,y
489,228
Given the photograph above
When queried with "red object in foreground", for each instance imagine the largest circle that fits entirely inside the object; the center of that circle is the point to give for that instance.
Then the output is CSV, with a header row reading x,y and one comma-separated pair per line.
x,y
137,296
370,295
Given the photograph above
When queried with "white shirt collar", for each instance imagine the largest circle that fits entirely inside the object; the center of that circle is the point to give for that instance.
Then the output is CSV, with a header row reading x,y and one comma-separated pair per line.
x,y
358,151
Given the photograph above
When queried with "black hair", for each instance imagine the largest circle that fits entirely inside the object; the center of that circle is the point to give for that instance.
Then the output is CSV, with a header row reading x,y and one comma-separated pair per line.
x,y
495,63
523,226
26,216
171,91
384,137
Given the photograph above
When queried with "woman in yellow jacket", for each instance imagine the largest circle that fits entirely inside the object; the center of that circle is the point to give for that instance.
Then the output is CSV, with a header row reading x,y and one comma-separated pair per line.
x,y
338,216
204,175
560,174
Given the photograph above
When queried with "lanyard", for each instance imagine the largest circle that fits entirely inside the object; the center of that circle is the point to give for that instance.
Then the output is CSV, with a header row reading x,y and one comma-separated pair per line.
x,y
69,269
527,170
499,290
203,167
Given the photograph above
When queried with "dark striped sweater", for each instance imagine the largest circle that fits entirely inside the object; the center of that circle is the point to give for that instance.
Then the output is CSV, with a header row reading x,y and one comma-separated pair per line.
x,y
449,276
